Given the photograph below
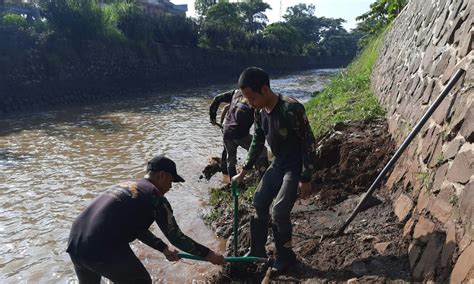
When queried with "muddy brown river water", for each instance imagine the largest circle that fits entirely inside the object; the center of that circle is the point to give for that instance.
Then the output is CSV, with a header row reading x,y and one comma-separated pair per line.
x,y
52,164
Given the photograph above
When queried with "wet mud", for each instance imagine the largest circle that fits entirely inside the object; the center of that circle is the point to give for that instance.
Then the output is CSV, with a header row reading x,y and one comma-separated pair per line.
x,y
371,249
213,166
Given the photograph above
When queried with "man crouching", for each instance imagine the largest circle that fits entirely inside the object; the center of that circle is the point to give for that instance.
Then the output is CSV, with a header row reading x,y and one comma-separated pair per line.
x,y
99,240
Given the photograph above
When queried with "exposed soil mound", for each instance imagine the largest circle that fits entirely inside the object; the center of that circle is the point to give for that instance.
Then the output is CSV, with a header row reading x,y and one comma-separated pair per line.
x,y
350,157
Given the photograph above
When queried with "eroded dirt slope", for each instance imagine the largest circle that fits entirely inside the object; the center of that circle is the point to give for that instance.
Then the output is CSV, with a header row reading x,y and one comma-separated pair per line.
x,y
371,250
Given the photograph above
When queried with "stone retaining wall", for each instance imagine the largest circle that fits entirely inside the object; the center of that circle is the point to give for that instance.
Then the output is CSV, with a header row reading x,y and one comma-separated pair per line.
x,y
57,75
433,182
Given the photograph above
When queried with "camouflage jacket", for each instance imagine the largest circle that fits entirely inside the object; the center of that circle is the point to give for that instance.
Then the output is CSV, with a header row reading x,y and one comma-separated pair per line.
x,y
239,117
124,213
287,131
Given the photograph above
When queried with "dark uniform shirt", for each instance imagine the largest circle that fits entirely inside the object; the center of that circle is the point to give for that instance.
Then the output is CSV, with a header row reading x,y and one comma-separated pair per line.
x,y
239,118
287,131
124,213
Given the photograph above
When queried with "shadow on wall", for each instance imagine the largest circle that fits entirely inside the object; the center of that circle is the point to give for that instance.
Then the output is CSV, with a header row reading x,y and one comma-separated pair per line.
x,y
430,254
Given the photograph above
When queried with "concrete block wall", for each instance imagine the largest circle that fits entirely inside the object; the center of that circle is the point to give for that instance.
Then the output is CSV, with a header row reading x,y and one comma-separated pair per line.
x,y
433,182
41,77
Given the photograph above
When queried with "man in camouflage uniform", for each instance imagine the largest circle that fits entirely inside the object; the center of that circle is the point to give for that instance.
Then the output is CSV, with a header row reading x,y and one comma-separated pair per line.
x,y
282,122
99,240
237,123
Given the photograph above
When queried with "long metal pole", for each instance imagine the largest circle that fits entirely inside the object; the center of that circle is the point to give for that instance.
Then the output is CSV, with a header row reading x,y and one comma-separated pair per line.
x,y
402,147
236,193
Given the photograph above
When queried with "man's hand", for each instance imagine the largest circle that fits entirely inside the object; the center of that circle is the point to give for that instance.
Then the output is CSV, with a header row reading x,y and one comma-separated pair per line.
x,y
171,255
213,120
239,177
305,189
215,258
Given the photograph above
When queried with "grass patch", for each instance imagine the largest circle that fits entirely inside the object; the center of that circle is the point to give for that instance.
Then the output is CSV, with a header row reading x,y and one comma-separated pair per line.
x,y
248,194
426,179
218,199
348,96
217,195
221,200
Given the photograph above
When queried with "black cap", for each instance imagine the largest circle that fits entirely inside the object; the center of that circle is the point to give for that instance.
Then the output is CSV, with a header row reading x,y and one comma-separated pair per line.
x,y
161,163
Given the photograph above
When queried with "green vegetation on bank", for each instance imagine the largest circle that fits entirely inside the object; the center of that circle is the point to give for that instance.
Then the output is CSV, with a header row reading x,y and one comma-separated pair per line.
x,y
242,26
219,199
236,27
348,96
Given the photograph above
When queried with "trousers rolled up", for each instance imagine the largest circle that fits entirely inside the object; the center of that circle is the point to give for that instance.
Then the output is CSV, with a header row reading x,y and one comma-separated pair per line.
x,y
231,146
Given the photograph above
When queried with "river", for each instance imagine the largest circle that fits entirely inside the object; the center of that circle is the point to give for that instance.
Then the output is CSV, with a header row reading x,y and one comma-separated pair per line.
x,y
54,163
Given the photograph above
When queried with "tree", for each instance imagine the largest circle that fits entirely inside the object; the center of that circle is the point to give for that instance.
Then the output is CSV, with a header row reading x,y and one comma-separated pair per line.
x,y
381,13
319,36
284,37
329,27
339,43
253,12
299,11
222,26
75,19
174,29
146,28
302,17
136,25
202,6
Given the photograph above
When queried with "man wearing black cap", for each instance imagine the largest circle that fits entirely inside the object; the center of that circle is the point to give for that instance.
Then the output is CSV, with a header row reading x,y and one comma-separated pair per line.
x,y
99,240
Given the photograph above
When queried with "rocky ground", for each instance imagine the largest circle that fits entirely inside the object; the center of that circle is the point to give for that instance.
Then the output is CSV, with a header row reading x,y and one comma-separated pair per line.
x,y
371,250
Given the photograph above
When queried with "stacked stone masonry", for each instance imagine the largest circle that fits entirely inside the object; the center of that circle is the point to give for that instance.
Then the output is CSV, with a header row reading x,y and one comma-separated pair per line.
x,y
433,182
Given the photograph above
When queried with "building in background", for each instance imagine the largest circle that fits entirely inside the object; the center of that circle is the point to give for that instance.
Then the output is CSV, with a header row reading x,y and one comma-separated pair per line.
x,y
162,6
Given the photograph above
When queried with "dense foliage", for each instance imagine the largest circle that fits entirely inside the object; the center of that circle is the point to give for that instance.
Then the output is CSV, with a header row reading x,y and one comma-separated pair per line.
x,y
381,14
239,27
243,26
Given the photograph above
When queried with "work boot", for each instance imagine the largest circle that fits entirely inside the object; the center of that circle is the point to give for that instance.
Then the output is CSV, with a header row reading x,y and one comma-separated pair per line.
x,y
258,237
285,257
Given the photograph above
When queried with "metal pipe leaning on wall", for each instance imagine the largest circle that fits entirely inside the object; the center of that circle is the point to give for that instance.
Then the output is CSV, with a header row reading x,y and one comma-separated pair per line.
x,y
402,148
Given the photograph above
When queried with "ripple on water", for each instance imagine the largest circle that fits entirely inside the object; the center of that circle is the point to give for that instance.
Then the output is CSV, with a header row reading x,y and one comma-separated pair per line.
x,y
54,163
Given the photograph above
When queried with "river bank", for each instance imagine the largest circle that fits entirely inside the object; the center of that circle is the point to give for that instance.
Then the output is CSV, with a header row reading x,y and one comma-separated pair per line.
x,y
421,227
354,144
54,163
42,79
351,155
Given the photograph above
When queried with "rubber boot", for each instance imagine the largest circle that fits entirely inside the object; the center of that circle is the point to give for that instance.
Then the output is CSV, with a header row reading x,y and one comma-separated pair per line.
x,y
258,237
285,257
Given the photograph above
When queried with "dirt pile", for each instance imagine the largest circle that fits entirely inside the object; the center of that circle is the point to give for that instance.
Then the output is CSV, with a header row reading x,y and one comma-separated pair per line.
x,y
213,166
371,250
349,158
